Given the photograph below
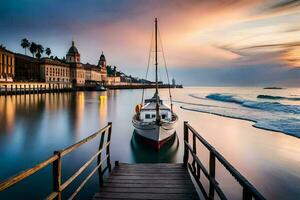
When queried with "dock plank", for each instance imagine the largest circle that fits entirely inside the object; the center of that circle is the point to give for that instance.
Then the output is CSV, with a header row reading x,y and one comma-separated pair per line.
x,y
148,181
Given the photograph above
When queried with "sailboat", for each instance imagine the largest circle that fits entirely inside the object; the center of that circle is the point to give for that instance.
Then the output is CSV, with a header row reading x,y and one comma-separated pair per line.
x,y
155,121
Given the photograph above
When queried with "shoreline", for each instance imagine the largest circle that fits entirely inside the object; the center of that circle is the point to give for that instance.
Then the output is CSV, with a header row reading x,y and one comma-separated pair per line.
x,y
241,118
39,88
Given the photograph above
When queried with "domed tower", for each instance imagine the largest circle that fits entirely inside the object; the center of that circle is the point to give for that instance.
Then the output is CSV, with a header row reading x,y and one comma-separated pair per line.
x,y
102,66
102,61
73,55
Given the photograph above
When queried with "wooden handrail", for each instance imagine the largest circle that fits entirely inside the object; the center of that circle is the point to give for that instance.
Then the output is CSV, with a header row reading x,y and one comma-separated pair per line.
x,y
26,173
206,173
249,190
87,178
74,176
56,161
78,144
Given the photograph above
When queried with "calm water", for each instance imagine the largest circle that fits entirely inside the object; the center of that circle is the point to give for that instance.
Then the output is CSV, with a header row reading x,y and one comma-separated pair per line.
x,y
33,126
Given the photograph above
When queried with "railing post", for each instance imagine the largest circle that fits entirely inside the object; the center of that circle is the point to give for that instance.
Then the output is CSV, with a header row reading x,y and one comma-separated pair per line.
x,y
5,89
57,175
195,152
99,160
186,139
246,194
108,147
212,173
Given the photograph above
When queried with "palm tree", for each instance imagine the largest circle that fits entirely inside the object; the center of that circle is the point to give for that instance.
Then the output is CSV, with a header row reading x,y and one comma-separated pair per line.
x,y
33,48
48,51
25,44
40,50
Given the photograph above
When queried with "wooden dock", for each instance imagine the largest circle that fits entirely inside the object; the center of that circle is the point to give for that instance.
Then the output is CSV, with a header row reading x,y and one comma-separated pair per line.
x,y
148,181
143,181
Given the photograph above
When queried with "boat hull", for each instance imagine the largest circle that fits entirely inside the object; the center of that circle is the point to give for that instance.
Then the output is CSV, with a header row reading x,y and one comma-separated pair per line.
x,y
155,134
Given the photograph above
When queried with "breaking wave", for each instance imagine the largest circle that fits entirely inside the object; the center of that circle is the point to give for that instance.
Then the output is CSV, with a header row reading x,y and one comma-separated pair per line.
x,y
263,96
267,106
272,115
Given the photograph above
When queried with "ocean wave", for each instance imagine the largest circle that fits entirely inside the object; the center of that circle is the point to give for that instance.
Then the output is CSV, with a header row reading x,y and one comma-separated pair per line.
x,y
266,106
284,124
263,96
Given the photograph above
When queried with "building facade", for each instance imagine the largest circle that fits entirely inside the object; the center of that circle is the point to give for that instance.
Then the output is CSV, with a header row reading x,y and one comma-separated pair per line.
x,y
92,73
7,65
27,69
77,72
102,66
113,80
54,71
23,68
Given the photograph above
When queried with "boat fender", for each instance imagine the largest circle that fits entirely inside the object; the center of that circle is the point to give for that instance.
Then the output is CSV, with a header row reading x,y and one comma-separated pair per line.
x,y
138,108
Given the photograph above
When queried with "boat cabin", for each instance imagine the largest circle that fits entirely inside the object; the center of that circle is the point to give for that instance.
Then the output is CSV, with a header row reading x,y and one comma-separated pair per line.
x,y
148,111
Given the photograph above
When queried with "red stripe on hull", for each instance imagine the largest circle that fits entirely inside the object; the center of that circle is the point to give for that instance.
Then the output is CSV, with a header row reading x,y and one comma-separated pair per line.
x,y
155,144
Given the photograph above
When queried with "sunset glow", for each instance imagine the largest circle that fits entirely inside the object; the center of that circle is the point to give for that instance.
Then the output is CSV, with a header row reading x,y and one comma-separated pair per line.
x,y
197,35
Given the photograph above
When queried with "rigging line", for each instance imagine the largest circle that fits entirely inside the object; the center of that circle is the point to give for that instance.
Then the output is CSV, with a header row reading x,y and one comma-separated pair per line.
x,y
148,64
165,63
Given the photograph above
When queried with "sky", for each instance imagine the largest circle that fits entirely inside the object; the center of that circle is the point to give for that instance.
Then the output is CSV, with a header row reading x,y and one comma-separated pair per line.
x,y
205,43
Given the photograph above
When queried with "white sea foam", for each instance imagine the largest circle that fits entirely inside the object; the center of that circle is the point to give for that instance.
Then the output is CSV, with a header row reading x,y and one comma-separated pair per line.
x,y
267,106
266,115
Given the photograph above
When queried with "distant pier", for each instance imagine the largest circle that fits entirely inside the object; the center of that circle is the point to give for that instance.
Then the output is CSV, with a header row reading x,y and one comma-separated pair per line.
x,y
40,88
141,86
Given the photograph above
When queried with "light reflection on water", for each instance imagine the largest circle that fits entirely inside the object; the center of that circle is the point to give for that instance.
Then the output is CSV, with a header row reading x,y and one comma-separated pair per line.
x,y
33,126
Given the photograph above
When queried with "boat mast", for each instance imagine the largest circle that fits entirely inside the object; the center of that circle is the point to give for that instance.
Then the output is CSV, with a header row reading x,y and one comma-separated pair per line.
x,y
156,79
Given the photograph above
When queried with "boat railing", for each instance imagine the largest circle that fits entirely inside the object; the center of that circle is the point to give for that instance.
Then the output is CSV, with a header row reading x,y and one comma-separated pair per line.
x,y
196,166
56,161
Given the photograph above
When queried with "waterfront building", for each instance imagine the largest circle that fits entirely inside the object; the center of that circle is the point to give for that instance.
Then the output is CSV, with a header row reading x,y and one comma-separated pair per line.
x,y
27,69
92,73
113,80
77,71
102,66
54,70
23,68
7,65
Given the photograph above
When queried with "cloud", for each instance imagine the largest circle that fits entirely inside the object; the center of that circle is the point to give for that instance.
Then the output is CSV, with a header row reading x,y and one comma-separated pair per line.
x,y
215,34
285,4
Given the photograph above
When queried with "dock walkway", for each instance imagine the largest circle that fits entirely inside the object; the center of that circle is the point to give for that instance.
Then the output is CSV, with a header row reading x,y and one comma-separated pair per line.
x,y
148,181
143,181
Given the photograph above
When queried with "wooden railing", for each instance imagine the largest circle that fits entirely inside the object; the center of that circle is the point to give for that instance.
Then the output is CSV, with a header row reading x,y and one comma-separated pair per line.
x,y
196,167
56,161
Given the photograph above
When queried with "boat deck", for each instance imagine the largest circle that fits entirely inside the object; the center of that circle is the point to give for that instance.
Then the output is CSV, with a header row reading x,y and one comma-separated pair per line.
x,y
148,181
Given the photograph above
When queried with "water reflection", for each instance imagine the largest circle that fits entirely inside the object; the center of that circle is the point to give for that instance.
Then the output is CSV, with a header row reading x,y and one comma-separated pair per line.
x,y
144,153
7,114
33,126
103,106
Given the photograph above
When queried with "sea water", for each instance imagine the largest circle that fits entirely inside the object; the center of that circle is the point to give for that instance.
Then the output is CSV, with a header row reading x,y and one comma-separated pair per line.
x,y
33,126
271,109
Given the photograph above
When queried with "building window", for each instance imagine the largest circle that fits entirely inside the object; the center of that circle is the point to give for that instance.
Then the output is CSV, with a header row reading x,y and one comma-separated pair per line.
x,y
153,116
163,116
147,116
